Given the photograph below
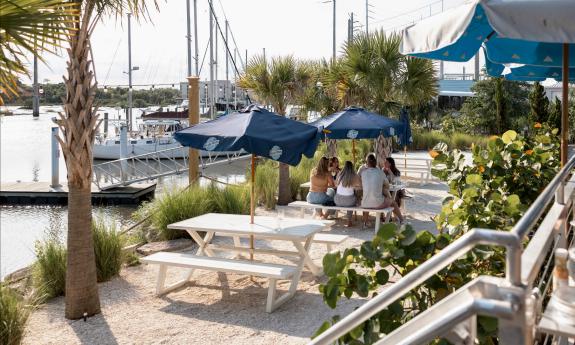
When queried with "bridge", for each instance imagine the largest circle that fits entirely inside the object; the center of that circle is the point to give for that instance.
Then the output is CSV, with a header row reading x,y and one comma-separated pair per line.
x,y
150,166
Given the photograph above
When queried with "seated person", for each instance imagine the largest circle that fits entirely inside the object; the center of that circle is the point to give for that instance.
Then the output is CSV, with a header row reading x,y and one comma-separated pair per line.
x,y
393,176
320,180
334,167
372,181
347,181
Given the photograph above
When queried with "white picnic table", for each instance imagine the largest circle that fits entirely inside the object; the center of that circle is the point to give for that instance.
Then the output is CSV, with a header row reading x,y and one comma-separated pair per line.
x,y
299,232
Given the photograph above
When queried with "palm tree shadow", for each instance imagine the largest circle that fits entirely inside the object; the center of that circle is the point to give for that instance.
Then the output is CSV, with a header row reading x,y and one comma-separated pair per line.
x,y
85,331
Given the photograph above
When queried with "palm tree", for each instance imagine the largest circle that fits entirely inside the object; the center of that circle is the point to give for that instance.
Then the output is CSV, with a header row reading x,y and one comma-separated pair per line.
x,y
29,26
278,83
385,80
78,125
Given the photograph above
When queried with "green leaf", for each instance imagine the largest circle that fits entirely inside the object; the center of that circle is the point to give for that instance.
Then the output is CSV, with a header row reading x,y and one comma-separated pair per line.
x,y
361,286
330,264
357,332
409,236
442,241
368,251
474,179
509,136
382,276
331,293
324,327
489,324
386,231
512,204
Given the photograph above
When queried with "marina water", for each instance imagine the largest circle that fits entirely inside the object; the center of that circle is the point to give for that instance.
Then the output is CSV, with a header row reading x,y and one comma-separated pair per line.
x,y
25,156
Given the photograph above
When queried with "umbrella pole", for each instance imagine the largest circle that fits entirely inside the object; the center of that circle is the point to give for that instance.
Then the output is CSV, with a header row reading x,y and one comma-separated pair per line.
x,y
353,150
405,157
252,203
565,106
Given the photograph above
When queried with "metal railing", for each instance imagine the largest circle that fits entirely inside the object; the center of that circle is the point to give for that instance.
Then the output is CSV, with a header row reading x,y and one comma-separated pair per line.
x,y
149,166
520,274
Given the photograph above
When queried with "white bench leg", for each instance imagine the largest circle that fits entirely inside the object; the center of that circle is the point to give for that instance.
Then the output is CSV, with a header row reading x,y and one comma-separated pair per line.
x,y
329,247
161,279
302,212
270,305
377,222
388,217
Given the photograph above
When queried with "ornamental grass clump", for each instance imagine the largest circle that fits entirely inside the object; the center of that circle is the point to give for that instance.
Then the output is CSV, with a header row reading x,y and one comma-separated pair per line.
x,y
267,182
108,244
177,204
49,270
14,313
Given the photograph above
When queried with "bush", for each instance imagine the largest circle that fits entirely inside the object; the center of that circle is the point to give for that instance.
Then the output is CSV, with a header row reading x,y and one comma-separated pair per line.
x,y
504,179
108,244
423,140
49,270
177,205
267,181
14,313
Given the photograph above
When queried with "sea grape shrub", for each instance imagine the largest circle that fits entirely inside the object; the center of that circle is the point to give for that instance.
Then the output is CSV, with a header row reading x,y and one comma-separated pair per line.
x,y
394,250
503,179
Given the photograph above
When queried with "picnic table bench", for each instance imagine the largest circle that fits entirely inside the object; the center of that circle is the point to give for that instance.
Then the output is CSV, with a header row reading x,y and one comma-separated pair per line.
x,y
303,205
300,232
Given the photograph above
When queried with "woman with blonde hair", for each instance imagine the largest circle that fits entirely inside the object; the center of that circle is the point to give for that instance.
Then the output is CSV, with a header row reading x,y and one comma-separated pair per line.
x,y
347,181
320,180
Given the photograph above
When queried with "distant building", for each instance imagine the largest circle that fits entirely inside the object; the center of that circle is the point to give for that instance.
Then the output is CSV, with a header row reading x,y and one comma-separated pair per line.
x,y
225,91
454,91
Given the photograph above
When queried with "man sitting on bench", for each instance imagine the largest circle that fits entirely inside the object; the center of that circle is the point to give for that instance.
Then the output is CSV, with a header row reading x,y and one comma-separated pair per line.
x,y
372,181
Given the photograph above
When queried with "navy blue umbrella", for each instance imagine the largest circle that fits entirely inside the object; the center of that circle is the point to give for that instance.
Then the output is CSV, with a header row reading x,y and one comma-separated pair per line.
x,y
357,123
257,131
405,137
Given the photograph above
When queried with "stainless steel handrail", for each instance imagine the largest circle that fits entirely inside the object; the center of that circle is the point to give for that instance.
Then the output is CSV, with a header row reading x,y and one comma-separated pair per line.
x,y
419,275
511,240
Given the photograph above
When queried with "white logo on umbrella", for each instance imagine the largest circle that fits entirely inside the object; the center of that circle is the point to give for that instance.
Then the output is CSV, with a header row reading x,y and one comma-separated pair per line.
x,y
211,144
276,152
392,131
352,134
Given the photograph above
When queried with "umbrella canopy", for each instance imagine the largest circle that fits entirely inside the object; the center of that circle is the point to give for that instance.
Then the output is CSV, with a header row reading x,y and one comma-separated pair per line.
x,y
405,137
357,123
529,32
257,131
526,72
511,31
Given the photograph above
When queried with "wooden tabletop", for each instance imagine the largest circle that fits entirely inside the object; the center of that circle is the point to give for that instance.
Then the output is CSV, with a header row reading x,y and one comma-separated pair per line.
x,y
270,227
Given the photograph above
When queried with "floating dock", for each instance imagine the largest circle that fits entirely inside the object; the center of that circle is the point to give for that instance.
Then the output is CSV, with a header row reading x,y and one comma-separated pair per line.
x,y
41,193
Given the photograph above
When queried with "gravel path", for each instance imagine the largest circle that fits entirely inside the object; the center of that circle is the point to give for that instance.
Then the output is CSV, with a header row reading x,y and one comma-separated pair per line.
x,y
213,308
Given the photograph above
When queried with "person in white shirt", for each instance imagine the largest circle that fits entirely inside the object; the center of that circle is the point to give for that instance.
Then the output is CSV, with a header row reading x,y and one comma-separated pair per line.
x,y
372,182
347,181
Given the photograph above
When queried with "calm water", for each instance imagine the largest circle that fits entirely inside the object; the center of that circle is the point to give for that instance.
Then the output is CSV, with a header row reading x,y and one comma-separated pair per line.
x,y
25,156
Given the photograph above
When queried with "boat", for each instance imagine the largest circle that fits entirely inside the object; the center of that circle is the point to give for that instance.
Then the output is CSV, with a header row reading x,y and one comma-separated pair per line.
x,y
151,136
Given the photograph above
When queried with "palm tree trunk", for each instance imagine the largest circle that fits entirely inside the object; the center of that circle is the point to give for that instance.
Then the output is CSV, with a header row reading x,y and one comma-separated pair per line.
x,y
81,286
284,192
331,147
78,126
382,149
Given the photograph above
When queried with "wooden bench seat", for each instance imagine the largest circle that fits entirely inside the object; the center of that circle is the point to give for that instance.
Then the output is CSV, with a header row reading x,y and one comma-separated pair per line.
x,y
303,205
271,271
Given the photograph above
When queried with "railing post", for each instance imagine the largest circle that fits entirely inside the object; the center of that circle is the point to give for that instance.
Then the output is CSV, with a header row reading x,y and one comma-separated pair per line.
x,y
55,159
560,193
105,125
123,153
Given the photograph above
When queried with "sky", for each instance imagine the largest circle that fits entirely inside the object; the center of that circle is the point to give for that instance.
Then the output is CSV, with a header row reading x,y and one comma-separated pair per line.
x,y
302,28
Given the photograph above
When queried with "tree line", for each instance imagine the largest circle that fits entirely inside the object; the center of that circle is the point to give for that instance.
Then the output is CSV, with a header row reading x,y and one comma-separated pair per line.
x,y
53,94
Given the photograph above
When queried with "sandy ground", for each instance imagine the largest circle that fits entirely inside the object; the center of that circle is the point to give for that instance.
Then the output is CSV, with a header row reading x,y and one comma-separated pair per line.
x,y
214,308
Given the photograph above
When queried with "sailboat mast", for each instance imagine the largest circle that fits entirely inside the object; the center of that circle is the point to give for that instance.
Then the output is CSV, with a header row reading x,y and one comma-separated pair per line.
x,y
212,88
129,115
196,37
189,37
227,70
